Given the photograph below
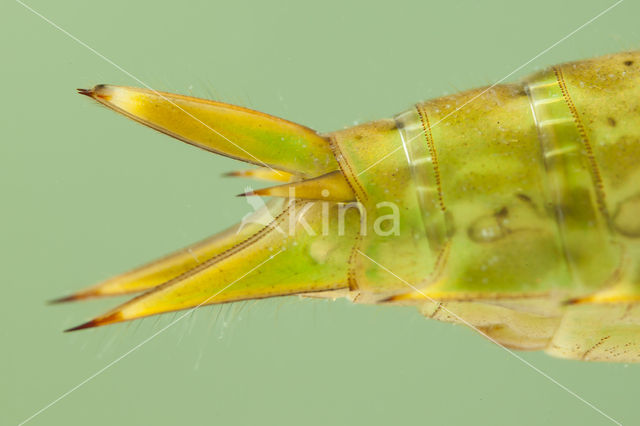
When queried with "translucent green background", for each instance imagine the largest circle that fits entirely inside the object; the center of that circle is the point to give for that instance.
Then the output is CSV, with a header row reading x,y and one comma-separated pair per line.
x,y
87,194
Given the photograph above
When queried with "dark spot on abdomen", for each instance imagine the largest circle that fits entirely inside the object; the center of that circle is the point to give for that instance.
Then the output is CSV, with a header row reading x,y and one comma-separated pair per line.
x,y
612,122
490,228
626,219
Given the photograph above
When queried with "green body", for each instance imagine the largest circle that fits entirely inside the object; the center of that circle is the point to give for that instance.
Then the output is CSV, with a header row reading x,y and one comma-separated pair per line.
x,y
518,210
530,200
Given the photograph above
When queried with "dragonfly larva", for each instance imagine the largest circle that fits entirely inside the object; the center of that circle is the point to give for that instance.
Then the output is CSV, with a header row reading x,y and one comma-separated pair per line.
x,y
514,209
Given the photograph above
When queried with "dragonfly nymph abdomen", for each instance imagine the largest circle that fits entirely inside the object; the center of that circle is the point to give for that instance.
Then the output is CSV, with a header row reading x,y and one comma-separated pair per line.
x,y
514,209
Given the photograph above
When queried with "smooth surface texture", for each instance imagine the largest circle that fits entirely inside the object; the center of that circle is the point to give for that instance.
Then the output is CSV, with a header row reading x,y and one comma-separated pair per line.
x,y
88,194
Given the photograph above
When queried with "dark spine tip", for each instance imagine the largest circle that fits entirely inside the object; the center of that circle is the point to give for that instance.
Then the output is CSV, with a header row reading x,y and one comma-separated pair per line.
x,y
86,92
104,320
75,297
64,299
89,324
